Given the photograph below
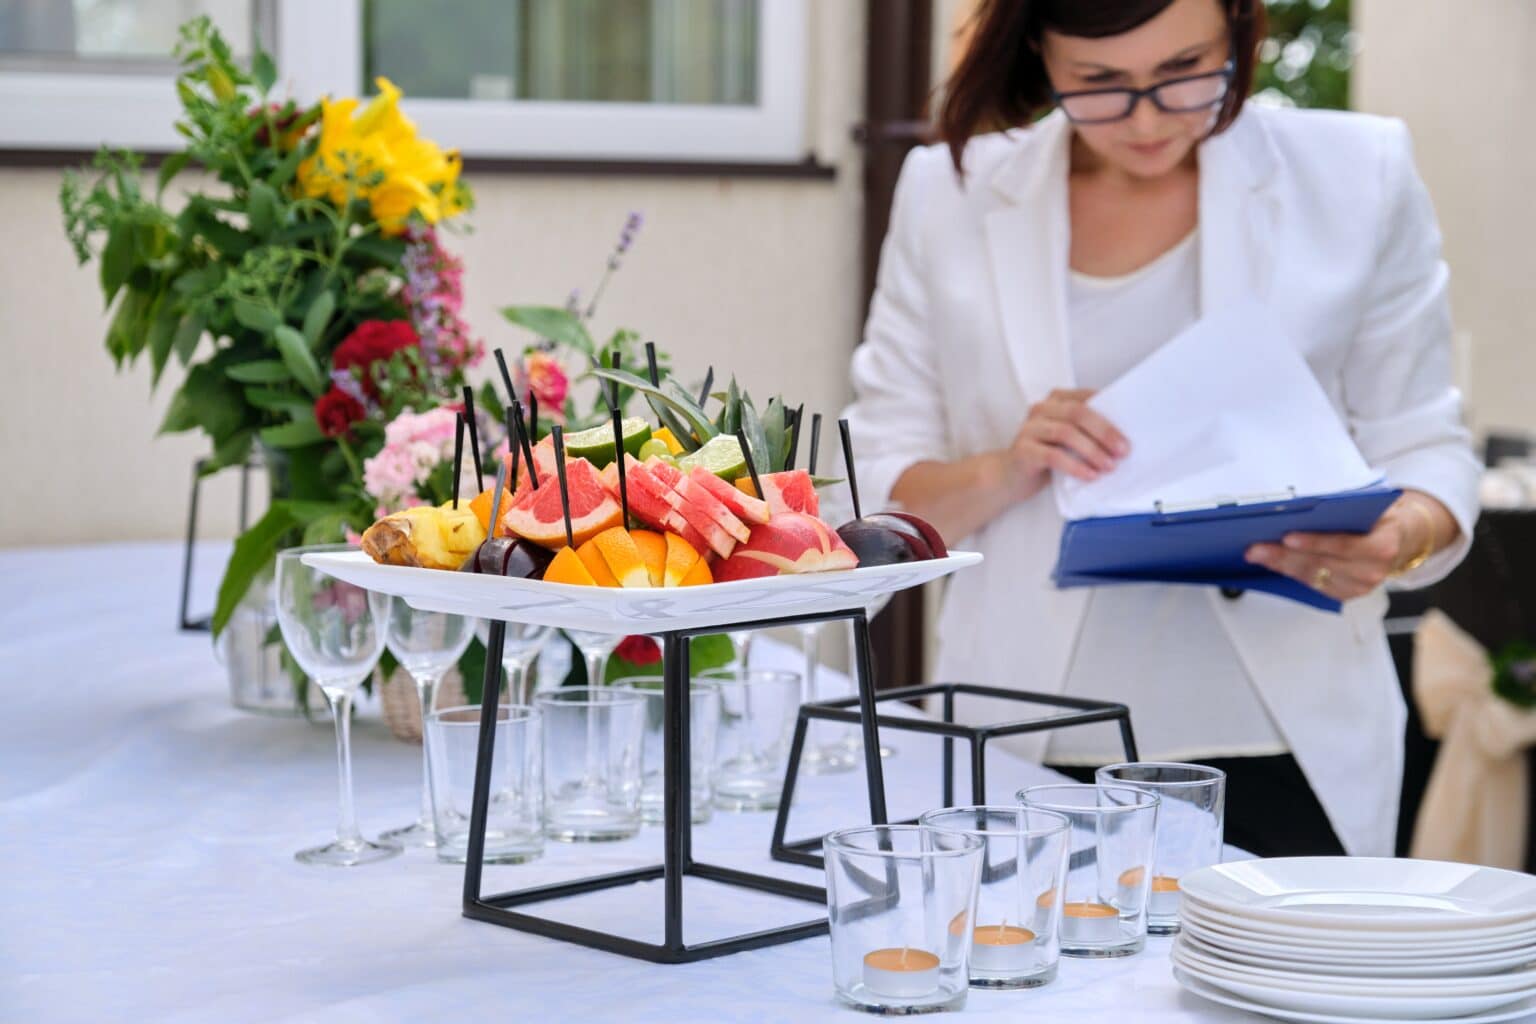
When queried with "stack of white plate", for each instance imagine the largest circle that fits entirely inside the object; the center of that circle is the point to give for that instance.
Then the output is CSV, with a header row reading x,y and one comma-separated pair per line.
x,y
1338,940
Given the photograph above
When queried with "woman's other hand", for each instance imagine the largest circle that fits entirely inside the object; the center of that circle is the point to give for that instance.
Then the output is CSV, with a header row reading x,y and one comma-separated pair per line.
x,y
1063,434
1349,565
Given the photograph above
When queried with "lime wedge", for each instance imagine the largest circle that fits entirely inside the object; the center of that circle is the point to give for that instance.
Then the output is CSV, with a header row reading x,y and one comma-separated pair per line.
x,y
720,455
596,445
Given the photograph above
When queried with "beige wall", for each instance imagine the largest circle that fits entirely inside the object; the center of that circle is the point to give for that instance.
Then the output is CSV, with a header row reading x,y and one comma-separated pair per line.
x,y
758,277
1460,75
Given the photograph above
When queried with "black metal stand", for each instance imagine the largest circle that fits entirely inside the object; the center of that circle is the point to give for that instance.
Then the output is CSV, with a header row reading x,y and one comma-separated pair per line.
x,y
678,862
1081,712
203,623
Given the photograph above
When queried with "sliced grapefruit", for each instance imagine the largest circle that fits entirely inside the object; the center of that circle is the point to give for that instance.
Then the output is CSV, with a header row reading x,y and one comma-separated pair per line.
x,y
789,491
537,514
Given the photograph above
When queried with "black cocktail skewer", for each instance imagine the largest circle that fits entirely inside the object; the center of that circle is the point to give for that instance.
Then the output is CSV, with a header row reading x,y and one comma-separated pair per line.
x,y
565,494
474,435
458,454
853,479
746,453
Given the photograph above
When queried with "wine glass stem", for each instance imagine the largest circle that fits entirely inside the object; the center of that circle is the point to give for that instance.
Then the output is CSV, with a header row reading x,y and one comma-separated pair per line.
x,y
426,693
597,663
341,710
516,671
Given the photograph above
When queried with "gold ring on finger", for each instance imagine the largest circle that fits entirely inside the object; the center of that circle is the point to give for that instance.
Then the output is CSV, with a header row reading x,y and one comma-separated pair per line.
x,y
1321,577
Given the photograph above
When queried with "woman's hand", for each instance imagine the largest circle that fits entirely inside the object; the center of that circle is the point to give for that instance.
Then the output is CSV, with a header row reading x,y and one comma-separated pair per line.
x,y
1347,565
1062,434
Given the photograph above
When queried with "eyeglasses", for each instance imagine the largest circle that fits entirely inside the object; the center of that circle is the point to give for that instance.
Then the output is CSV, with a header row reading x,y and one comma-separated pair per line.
x,y
1175,96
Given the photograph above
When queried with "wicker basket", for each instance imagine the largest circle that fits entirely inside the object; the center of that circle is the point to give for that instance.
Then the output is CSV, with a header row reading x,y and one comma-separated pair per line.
x,y
402,711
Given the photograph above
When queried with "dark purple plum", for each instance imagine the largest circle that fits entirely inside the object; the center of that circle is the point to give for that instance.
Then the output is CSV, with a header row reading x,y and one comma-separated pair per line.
x,y
876,544
930,534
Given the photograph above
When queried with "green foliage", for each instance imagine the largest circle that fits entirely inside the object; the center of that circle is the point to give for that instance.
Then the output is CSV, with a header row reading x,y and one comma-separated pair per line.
x,y
1306,60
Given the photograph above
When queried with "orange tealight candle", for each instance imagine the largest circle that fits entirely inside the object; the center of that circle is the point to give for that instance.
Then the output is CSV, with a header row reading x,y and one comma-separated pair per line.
x,y
1002,948
1162,895
1092,923
901,973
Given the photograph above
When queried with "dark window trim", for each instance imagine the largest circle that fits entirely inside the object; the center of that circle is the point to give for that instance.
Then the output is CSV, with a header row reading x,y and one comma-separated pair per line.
x,y
809,169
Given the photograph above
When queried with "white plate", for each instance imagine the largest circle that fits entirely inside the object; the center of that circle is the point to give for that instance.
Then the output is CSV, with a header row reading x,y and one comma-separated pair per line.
x,y
1521,983
1403,1007
1329,965
1360,938
650,610
1426,957
1216,995
1353,892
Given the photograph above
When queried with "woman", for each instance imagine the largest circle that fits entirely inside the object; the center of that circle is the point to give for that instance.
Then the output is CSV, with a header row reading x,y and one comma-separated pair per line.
x,y
1027,268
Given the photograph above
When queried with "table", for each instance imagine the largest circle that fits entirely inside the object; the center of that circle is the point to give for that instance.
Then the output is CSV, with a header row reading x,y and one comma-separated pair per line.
x,y
149,830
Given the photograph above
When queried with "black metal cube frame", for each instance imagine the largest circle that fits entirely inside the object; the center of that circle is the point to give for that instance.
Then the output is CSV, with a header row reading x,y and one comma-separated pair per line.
x,y
677,861
1081,712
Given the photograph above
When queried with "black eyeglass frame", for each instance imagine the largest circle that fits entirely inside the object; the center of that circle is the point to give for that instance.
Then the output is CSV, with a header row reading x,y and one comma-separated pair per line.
x,y
1134,96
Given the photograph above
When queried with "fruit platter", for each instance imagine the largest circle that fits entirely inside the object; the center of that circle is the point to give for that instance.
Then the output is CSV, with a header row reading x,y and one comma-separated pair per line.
x,y
632,526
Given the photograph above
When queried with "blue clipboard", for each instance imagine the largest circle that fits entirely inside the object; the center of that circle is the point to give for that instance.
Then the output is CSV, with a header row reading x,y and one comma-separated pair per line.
x,y
1203,545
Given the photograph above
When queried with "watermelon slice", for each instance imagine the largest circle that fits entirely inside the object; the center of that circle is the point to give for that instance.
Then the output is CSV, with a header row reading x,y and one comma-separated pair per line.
x,y
742,505
690,490
648,501
790,542
718,538
789,491
536,515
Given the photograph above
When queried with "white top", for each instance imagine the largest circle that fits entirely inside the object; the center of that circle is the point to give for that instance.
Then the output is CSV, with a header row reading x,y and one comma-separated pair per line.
x,y
189,811
1160,650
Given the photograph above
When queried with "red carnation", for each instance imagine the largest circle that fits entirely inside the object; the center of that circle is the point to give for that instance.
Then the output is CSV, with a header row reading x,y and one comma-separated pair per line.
x,y
336,411
372,342
639,650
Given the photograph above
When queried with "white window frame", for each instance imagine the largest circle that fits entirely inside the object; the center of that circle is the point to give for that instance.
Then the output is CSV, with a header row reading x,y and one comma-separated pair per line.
x,y
74,110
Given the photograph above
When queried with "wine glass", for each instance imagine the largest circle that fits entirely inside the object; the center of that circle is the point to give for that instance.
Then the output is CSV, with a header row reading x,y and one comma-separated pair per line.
x,y
427,645
520,645
827,756
335,631
595,649
741,644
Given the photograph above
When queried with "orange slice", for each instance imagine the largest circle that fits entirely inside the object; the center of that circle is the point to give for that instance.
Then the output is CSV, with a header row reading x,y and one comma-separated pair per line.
x,y
481,505
665,437
681,558
654,549
699,574
593,560
566,567
623,557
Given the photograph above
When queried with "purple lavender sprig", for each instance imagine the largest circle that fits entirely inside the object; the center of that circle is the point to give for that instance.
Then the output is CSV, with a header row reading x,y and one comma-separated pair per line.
x,y
627,235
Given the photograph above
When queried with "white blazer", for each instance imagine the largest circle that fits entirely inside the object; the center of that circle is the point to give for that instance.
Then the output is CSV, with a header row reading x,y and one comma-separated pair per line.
x,y
1319,214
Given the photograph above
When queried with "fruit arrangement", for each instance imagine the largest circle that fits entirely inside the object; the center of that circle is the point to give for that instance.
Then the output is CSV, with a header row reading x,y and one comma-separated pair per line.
x,y
630,505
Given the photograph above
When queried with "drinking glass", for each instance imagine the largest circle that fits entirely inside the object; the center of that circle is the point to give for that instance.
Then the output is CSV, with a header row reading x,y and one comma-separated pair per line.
x,y
593,737
825,751
1190,826
900,899
1014,941
595,649
758,708
427,645
1113,834
703,725
335,631
514,814
521,645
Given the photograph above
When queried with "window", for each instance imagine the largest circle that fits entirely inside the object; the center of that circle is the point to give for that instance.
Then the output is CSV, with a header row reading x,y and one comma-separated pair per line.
x,y
672,80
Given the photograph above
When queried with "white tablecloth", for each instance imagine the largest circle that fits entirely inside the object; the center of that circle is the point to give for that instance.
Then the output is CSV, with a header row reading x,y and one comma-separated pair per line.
x,y
148,831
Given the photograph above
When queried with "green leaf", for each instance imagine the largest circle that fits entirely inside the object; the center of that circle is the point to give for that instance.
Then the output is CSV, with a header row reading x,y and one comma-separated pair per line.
x,y
199,282
328,529
260,371
318,316
263,71
385,251
255,315
208,399
179,416
670,395
232,452
777,435
116,258
558,325
262,208
295,434
285,402
188,334
170,167
472,669
254,551
299,360
752,429
126,333
303,231
159,339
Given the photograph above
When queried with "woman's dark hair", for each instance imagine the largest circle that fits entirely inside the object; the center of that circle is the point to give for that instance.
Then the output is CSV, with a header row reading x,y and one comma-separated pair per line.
x,y
1001,82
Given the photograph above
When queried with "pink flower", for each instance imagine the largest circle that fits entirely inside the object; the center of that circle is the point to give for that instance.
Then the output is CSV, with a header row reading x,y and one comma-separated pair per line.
x,y
547,380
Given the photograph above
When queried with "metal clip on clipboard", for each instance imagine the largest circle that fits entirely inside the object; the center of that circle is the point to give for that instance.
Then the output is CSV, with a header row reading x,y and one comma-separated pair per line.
x,y
1228,507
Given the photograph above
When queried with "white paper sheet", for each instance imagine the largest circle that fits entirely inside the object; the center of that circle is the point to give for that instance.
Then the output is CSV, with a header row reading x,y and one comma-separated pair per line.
x,y
1228,409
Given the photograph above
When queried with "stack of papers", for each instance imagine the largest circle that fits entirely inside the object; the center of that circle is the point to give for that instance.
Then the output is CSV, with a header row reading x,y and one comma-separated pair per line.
x,y
1233,442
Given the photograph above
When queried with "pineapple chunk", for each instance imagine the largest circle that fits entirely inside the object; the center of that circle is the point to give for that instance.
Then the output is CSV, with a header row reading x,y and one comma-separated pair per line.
x,y
425,537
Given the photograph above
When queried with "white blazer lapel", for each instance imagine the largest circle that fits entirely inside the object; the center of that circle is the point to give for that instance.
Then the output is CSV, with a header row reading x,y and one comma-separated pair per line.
x,y
1028,241
1237,214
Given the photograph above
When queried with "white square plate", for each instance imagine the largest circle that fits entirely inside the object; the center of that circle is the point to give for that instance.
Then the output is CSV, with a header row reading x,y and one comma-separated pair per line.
x,y
1206,990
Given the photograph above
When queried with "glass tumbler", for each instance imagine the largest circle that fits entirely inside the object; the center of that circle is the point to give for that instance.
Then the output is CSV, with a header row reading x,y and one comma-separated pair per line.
x,y
900,899
1014,938
514,816
757,721
703,724
1113,834
1190,827
592,746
